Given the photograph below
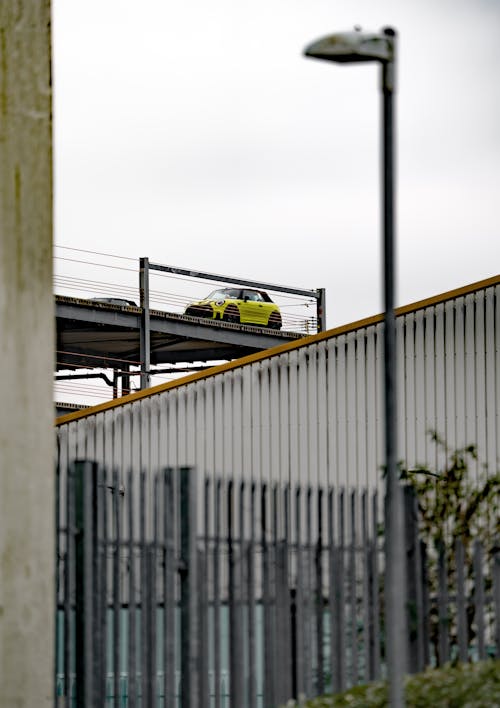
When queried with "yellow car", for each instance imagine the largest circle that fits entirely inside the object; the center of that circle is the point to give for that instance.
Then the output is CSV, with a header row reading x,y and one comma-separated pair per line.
x,y
239,305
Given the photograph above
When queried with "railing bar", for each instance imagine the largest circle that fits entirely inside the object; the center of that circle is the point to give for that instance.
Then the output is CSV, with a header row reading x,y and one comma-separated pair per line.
x,y
308,642
153,594
461,600
426,603
203,555
352,594
413,585
286,598
375,602
276,598
341,628
144,644
99,605
495,572
367,625
479,604
242,579
419,590
69,566
104,580
85,478
169,687
132,611
116,589
59,569
189,619
299,683
269,688
235,657
216,566
252,688
331,591
443,609
320,679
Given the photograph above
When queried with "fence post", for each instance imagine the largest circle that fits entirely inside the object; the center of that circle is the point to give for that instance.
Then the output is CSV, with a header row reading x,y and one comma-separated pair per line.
x,y
188,576
269,636
462,633
479,599
443,611
495,571
321,309
318,592
235,618
84,479
169,597
298,600
203,599
414,601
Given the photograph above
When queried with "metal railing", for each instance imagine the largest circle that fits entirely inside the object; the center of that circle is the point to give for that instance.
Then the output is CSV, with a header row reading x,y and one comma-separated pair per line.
x,y
178,591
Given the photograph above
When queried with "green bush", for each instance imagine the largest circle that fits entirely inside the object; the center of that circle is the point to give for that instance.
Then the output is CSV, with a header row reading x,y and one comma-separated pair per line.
x,y
462,686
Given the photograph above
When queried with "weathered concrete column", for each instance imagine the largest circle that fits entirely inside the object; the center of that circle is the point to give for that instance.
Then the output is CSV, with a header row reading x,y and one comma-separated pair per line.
x,y
26,357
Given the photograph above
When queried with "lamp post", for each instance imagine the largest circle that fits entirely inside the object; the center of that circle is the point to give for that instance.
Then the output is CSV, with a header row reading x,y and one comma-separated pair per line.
x,y
350,47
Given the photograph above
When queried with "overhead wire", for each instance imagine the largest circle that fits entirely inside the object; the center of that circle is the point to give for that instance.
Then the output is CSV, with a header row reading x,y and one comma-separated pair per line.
x,y
151,272
95,253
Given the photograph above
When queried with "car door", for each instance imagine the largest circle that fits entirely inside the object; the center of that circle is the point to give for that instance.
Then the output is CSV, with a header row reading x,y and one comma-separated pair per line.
x,y
253,308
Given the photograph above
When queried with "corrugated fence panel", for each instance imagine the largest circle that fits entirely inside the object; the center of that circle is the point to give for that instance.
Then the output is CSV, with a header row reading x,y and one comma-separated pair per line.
x,y
314,412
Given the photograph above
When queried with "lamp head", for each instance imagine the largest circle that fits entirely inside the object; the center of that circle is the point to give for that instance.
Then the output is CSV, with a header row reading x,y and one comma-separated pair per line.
x,y
357,46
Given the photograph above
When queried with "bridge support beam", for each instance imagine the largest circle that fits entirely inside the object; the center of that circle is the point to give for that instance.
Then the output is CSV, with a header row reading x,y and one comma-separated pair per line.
x,y
145,333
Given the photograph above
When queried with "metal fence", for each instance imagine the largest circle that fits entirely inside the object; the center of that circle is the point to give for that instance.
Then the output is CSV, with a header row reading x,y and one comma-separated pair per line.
x,y
175,591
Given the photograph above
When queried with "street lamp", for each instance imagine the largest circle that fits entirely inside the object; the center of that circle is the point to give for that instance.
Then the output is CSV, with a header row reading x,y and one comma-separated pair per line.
x,y
350,47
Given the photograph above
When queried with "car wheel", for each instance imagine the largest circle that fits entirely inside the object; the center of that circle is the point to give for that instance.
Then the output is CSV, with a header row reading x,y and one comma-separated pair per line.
x,y
232,315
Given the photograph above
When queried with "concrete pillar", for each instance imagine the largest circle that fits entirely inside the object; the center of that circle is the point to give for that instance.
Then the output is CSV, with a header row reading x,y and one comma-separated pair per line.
x,y
26,358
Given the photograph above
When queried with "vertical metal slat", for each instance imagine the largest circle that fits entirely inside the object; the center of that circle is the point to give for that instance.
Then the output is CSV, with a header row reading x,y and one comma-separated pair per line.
x,y
332,602
132,605
367,623
443,618
252,686
203,603
320,678
84,478
189,619
216,611
169,687
269,655
299,682
479,603
461,600
352,594
235,628
340,589
116,588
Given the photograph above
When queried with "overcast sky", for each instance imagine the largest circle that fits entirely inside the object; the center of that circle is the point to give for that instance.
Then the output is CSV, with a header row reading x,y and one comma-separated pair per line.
x,y
196,133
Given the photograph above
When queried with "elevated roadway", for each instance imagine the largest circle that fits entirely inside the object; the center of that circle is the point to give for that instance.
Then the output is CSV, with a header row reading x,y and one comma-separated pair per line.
x,y
103,335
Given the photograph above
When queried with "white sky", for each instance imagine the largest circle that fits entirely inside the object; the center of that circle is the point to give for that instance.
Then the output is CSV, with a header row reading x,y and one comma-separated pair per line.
x,y
196,133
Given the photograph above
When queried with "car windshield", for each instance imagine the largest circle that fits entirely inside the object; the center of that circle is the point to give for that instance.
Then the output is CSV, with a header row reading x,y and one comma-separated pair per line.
x,y
224,294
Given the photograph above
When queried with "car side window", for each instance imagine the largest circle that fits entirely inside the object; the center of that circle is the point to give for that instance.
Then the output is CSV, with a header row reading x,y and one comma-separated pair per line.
x,y
252,296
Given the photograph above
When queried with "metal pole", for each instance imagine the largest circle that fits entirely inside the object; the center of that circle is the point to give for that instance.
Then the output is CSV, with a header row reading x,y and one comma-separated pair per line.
x,y
395,551
321,309
145,333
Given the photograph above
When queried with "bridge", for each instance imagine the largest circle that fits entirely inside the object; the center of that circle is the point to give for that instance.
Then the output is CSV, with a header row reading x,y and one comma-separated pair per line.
x,y
115,338
92,335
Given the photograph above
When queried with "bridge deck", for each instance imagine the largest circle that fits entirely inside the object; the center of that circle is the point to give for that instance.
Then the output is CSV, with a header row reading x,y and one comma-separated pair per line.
x,y
93,334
